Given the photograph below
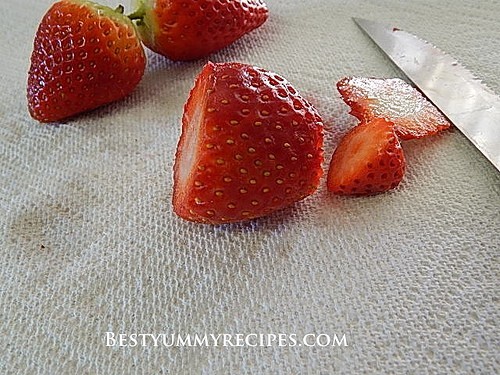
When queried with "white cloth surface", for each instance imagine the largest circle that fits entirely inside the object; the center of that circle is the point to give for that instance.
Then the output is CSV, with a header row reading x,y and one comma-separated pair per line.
x,y
89,242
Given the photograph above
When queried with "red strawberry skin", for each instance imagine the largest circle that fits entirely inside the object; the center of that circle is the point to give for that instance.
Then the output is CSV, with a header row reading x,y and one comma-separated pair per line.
x,y
250,145
368,160
187,30
394,100
84,56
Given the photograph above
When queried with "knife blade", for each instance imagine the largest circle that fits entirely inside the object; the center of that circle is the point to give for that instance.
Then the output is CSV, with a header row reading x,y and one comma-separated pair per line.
x,y
471,106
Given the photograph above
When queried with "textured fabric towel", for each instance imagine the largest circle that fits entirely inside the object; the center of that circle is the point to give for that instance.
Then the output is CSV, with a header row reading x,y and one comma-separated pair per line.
x,y
90,247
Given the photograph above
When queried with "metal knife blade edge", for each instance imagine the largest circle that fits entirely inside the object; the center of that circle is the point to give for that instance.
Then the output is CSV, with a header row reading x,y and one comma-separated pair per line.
x,y
467,73
487,95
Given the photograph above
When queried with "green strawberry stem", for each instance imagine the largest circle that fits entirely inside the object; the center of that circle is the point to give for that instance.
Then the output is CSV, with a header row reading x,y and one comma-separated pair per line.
x,y
139,13
120,9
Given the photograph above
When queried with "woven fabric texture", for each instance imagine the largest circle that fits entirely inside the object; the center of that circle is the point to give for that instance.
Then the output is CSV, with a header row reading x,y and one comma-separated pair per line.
x,y
89,243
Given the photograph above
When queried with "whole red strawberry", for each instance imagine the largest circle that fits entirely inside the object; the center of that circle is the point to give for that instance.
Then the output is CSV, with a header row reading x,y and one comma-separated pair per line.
x,y
250,145
368,160
191,29
85,55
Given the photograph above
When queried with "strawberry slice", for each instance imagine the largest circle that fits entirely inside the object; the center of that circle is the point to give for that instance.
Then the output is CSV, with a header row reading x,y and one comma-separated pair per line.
x,y
188,30
250,145
368,160
394,100
85,55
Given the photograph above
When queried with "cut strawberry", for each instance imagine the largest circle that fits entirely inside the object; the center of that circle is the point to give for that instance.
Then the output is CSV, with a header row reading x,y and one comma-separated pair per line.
x,y
368,160
85,55
394,100
250,145
188,30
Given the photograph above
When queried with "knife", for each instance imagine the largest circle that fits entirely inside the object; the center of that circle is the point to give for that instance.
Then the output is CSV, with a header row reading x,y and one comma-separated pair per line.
x,y
469,105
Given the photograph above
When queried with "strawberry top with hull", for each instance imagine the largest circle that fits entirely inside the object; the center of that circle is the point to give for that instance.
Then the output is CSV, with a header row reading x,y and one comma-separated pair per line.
x,y
394,100
188,30
85,55
250,145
